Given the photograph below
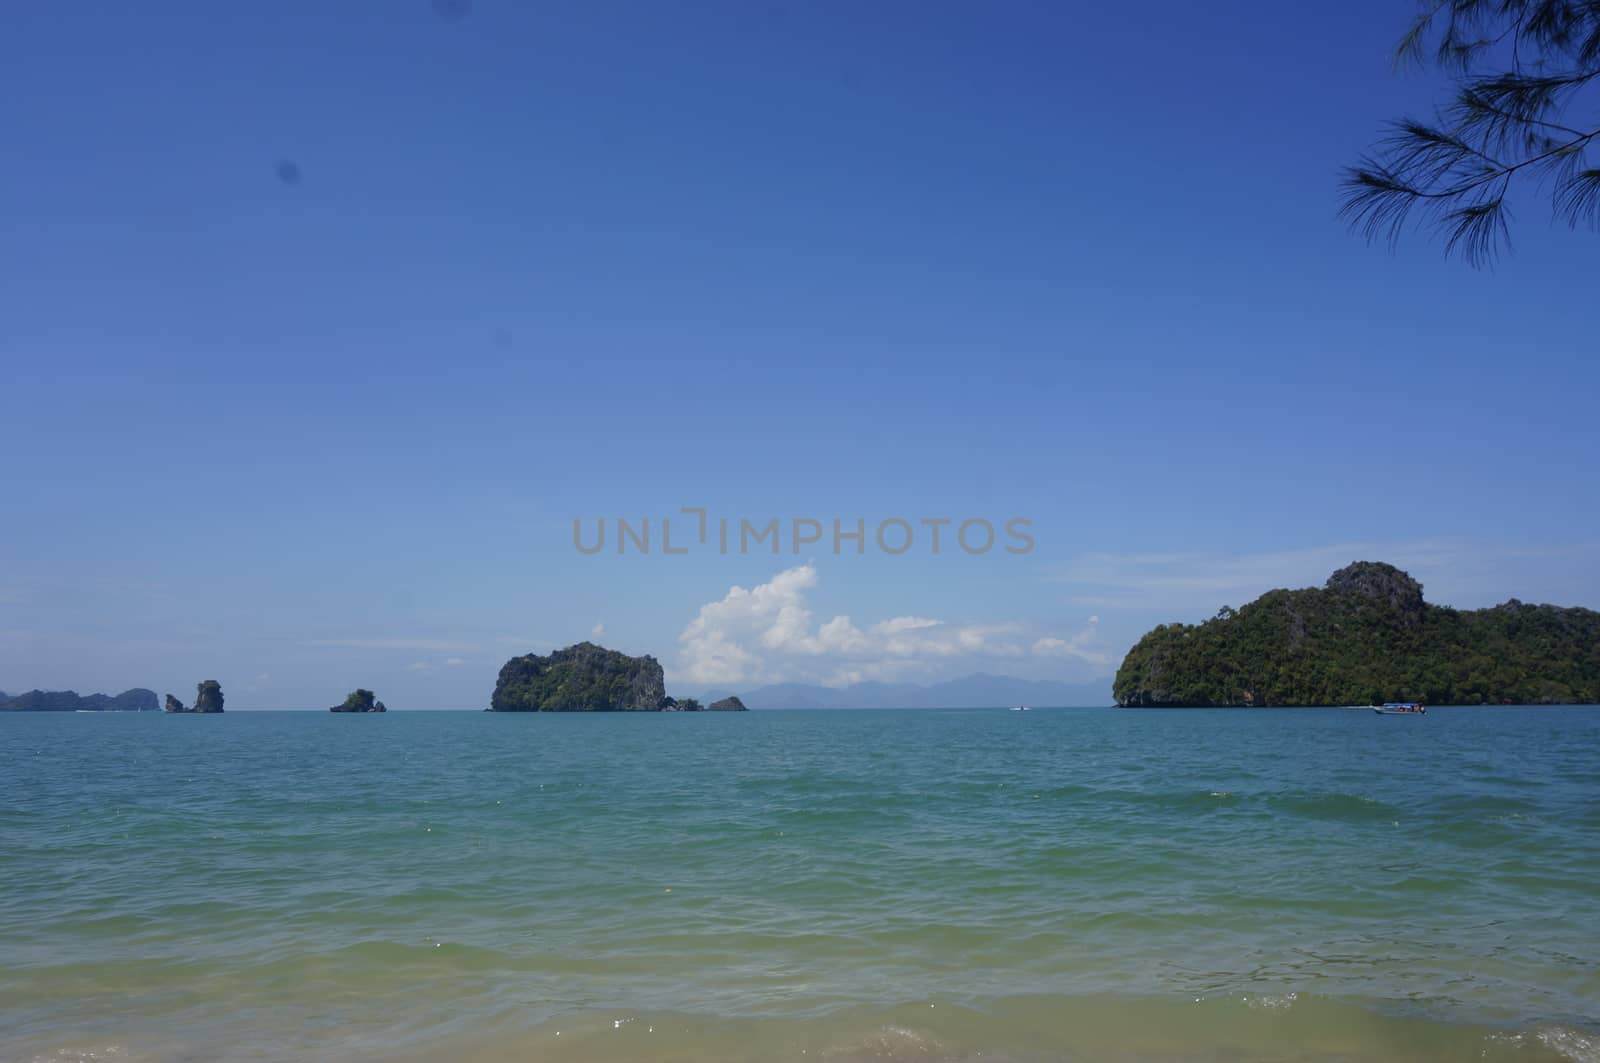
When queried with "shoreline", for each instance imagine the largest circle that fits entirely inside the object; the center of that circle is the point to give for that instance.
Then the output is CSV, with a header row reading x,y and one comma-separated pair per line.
x,y
1241,1026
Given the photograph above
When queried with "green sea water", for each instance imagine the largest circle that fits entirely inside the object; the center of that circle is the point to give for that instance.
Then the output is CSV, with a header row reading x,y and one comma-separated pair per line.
x,y
981,885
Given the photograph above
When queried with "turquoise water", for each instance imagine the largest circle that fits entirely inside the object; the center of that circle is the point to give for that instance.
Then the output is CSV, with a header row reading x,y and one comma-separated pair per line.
x,y
1068,884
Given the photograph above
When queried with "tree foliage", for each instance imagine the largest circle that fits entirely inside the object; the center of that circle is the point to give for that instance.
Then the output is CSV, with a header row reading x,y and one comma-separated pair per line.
x,y
1525,113
360,700
581,678
1368,637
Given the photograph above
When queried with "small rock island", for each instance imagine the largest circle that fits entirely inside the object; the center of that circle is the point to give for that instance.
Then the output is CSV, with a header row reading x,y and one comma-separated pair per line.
x,y
1365,638
360,700
588,678
136,700
728,704
208,698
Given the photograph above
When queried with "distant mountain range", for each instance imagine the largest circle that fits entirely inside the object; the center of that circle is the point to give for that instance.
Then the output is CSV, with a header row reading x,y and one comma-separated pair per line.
x,y
969,692
136,700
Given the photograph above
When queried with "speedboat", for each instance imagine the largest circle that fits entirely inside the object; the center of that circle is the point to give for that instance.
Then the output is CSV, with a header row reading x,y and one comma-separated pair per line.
x,y
1019,708
1401,708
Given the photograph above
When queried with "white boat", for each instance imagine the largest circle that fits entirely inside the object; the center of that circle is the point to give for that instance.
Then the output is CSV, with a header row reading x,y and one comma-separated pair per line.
x,y
1401,708
1019,708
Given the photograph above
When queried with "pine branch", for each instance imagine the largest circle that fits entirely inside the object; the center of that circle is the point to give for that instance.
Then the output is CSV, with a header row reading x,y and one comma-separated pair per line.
x,y
1457,173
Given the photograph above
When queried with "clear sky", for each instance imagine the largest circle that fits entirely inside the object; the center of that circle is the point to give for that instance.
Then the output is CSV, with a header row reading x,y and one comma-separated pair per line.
x,y
320,324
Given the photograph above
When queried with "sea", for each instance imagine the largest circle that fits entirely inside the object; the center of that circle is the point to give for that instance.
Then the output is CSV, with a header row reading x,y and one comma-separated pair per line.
x,y
1059,884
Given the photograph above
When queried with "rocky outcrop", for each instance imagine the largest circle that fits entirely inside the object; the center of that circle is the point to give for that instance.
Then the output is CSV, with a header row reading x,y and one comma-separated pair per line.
x,y
360,700
1367,636
1384,583
728,704
208,696
207,699
581,678
136,700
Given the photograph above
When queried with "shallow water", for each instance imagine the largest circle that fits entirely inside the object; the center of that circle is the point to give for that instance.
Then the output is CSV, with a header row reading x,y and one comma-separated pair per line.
x,y
1067,884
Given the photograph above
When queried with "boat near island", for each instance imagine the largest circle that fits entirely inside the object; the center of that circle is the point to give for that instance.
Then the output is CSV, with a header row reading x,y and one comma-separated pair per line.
x,y
1401,708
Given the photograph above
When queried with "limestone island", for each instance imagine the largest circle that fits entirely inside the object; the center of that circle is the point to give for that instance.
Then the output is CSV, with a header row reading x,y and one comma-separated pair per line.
x,y
136,700
729,704
208,698
589,678
1365,638
360,700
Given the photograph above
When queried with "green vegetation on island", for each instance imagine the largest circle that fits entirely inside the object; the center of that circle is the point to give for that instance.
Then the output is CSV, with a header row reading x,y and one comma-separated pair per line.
x,y
136,700
586,678
581,678
208,698
360,700
1365,638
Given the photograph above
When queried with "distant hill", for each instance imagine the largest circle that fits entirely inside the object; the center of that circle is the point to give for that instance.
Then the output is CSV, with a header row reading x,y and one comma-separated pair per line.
x,y
581,678
974,691
136,700
1367,637
360,700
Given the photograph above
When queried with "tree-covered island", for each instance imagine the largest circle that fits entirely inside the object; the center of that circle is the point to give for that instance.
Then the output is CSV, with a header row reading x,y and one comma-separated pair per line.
x,y
1365,638
360,700
587,678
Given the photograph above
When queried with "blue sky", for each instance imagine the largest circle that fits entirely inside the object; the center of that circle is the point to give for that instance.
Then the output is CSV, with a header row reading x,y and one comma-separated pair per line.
x,y
1073,263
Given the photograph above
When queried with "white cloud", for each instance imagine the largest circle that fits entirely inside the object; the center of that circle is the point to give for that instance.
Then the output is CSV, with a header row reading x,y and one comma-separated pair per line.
x,y
599,630
423,645
433,666
766,634
1085,645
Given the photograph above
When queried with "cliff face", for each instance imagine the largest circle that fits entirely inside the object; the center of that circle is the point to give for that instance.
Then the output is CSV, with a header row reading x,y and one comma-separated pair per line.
x,y
208,698
581,678
1367,637
136,700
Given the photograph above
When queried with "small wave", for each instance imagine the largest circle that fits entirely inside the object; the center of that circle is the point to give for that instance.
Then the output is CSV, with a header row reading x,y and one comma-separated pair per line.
x,y
1272,1002
85,1055
1568,1044
1334,805
1175,800
1576,1045
891,1042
